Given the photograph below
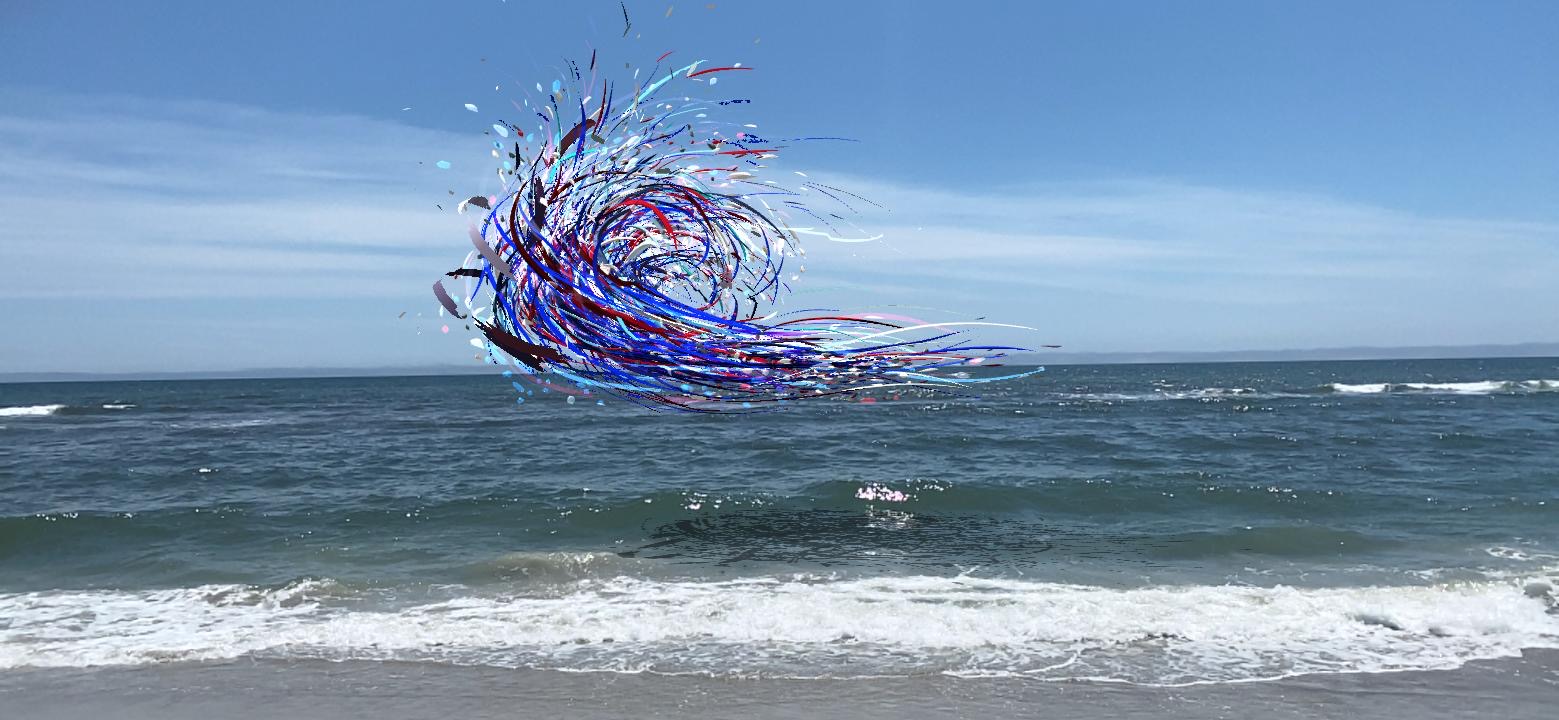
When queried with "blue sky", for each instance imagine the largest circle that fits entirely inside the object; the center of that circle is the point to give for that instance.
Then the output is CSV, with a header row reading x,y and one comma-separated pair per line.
x,y
229,185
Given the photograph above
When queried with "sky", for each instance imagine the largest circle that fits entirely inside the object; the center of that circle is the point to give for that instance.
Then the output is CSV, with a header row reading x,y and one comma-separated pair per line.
x,y
219,186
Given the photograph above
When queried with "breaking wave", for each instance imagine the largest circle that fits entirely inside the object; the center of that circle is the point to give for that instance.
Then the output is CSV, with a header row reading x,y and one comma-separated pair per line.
x,y
1478,387
62,409
803,626
30,410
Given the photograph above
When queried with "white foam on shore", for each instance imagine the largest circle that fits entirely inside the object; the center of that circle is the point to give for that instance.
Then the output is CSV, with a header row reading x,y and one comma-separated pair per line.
x,y
1479,387
807,627
30,410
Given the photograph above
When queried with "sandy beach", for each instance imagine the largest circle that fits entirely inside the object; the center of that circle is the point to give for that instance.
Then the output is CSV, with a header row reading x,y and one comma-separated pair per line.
x,y
251,690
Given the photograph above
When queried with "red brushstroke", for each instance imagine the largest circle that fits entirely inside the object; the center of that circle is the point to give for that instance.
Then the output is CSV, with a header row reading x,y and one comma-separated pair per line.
x,y
718,69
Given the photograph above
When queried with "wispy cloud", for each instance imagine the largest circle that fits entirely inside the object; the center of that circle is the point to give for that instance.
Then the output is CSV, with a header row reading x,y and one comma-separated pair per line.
x,y
1227,267
120,198
198,199
1156,224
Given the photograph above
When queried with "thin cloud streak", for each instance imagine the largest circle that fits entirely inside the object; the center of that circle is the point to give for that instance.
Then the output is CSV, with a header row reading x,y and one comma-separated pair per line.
x,y
210,202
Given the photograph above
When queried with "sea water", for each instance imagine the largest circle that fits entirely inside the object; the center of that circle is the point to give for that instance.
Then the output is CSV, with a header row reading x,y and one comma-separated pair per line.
x,y
1149,524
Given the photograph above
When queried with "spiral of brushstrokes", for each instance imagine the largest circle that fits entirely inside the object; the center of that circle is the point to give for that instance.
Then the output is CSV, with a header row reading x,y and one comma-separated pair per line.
x,y
634,251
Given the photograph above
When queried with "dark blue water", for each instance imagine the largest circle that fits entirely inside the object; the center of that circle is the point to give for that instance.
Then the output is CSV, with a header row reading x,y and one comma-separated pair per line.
x,y
1151,523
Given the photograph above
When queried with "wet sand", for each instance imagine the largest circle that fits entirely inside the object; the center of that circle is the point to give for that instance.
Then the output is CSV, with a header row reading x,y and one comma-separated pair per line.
x,y
1527,687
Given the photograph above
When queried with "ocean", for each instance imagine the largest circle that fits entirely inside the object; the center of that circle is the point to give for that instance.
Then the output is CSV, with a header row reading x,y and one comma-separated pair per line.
x,y
1111,531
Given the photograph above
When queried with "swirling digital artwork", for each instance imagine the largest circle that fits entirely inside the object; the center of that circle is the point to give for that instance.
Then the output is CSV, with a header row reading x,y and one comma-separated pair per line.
x,y
639,249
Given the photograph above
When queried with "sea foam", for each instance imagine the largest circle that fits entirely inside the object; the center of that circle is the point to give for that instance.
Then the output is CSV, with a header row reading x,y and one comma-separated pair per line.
x,y
806,626
1478,387
30,410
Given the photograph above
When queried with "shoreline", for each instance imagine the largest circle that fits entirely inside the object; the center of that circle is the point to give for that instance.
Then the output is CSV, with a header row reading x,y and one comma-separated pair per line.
x,y
1524,687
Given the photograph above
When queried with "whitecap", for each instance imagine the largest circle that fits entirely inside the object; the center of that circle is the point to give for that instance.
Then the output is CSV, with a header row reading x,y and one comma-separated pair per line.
x,y
1476,387
30,410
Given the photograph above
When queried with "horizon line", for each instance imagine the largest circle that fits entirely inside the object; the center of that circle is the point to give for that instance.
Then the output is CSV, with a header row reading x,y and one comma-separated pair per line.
x,y
1529,350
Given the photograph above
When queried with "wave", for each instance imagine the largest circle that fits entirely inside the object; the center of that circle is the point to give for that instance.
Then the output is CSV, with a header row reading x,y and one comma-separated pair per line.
x,y
805,626
556,566
1227,394
1477,387
1302,541
62,409
921,524
30,410
1207,394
